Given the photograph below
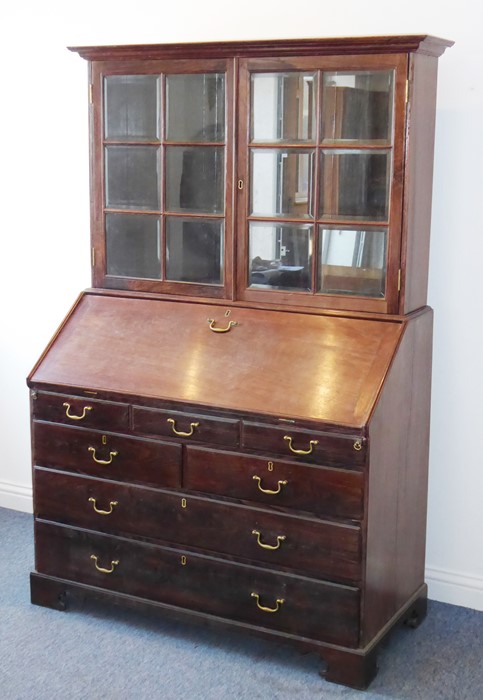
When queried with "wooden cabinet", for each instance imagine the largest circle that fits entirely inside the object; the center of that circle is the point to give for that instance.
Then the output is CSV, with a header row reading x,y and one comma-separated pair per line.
x,y
232,424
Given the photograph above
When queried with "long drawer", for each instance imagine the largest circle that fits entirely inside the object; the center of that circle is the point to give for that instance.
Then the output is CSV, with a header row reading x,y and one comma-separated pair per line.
x,y
277,482
107,455
293,604
313,547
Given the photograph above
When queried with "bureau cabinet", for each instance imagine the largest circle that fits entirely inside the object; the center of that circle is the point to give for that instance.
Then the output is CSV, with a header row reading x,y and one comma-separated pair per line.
x,y
231,426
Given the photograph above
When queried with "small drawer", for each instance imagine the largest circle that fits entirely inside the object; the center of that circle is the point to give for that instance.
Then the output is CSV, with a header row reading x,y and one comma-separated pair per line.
x,y
306,608
80,412
331,449
314,547
107,455
187,426
322,490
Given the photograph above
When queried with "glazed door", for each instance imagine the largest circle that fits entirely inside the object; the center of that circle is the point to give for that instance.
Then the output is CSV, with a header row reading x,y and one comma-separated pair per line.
x,y
320,168
162,176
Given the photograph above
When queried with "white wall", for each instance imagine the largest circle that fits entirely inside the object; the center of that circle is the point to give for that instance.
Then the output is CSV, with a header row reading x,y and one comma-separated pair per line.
x,y
44,222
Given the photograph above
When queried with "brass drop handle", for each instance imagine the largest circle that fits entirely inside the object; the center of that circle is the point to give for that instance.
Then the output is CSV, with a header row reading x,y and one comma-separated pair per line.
x,y
279,602
114,563
230,325
312,444
112,505
180,432
280,539
74,417
357,445
270,491
102,461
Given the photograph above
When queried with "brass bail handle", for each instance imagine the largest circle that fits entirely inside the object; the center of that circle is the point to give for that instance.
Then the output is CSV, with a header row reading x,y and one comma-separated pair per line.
x,y
112,505
227,328
112,454
279,538
73,416
312,444
279,602
182,433
273,492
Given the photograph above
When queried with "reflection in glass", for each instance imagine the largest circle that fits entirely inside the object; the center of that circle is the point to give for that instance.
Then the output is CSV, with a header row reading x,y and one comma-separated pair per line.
x,y
195,179
357,106
354,184
132,177
131,107
281,183
195,107
194,250
280,256
353,261
132,245
283,106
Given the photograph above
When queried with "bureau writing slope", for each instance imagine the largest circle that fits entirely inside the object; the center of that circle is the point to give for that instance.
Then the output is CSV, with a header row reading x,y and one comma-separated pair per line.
x,y
232,424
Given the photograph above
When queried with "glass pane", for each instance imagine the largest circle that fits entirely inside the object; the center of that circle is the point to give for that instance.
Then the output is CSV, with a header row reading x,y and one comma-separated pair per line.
x,y
283,106
353,261
280,256
132,245
195,179
132,177
357,106
281,183
131,107
195,107
355,185
194,250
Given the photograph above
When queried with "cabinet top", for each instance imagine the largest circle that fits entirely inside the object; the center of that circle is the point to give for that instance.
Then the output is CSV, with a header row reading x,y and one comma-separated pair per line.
x,y
420,43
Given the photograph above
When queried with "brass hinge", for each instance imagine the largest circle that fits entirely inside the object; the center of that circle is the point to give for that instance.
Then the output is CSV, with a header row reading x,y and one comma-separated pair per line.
x,y
399,280
407,91
90,93
93,257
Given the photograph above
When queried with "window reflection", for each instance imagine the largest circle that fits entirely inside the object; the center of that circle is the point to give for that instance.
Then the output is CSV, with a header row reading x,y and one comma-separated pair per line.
x,y
357,106
280,256
281,182
353,261
194,250
195,109
283,106
355,185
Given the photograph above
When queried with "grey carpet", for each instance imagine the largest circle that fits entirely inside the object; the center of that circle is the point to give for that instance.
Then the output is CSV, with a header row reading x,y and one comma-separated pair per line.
x,y
118,655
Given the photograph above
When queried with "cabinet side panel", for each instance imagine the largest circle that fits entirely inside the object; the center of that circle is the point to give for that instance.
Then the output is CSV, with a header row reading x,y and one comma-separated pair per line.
x,y
418,182
397,480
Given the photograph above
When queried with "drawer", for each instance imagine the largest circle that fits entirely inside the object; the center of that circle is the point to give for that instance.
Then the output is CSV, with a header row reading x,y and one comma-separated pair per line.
x,y
107,455
78,411
321,490
187,426
291,604
333,449
314,547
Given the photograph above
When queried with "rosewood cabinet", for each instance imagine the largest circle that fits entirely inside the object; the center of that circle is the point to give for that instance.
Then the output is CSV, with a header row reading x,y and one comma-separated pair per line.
x,y
232,424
